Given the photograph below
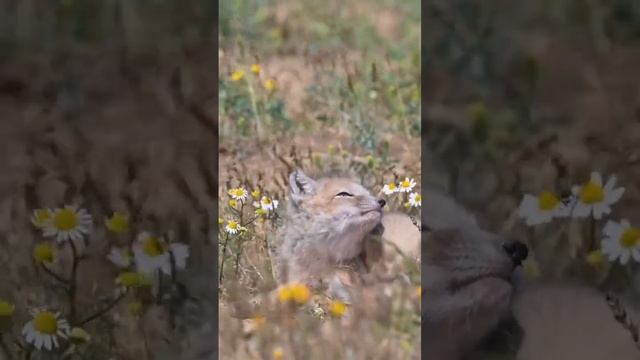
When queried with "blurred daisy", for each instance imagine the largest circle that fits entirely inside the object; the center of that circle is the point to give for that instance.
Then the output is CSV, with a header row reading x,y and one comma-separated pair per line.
x,y
595,258
68,223
79,335
43,253
415,200
238,193
121,257
277,353
406,185
266,203
270,84
40,217
261,212
153,253
44,330
542,208
256,68
390,188
6,309
237,75
130,279
117,223
255,194
337,308
593,197
296,292
622,241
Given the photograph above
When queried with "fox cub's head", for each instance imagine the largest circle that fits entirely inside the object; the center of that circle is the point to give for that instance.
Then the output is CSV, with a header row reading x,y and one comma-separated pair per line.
x,y
341,208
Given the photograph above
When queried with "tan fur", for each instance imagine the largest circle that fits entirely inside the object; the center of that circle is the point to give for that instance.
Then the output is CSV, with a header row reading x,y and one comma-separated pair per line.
x,y
563,321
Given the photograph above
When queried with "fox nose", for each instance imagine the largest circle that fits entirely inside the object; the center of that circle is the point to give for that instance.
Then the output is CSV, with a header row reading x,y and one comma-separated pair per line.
x,y
517,251
382,203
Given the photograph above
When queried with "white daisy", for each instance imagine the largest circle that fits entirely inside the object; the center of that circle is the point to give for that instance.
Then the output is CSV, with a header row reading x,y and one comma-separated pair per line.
x,y
232,227
390,188
542,208
415,200
154,253
266,203
68,223
239,193
592,196
120,257
44,329
621,241
406,185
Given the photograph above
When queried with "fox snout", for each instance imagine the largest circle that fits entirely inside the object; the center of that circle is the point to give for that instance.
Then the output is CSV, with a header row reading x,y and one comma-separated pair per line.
x,y
381,202
517,251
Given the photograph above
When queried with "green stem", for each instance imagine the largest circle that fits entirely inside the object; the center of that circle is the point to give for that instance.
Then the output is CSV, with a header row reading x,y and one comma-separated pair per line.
x,y
103,311
224,253
254,106
72,282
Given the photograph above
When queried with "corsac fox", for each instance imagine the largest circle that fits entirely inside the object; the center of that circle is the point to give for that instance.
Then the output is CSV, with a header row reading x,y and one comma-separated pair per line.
x,y
331,223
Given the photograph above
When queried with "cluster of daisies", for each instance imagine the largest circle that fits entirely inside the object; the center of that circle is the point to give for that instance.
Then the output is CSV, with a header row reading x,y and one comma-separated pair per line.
x,y
594,198
264,206
256,69
404,187
149,255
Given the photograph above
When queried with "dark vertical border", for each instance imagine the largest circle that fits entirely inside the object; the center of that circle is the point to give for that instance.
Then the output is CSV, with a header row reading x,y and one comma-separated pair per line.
x,y
214,149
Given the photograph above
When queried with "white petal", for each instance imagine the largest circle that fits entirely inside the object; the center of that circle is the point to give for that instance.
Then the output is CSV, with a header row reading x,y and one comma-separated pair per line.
x,y
613,229
635,252
596,178
581,210
600,209
47,342
613,196
39,341
611,182
55,342
624,224
624,257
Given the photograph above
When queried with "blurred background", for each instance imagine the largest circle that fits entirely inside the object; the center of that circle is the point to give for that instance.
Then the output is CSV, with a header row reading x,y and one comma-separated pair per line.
x,y
110,105
332,88
532,96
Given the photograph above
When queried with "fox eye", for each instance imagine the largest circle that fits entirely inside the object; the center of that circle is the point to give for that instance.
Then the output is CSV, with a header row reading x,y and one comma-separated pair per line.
x,y
344,193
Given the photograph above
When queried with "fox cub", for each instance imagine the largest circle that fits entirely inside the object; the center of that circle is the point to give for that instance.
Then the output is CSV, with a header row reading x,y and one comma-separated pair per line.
x,y
332,224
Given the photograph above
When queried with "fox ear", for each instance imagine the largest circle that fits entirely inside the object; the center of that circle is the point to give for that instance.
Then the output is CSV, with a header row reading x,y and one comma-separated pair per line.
x,y
301,184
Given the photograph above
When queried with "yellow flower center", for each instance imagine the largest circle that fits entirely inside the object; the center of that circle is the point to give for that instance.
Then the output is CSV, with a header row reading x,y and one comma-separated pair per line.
x,y
547,201
65,220
419,291
595,258
630,238
591,193
118,223
266,201
337,308
270,84
300,293
255,68
233,203
261,212
220,221
133,279
153,246
277,354
233,225
43,253
135,307
391,186
284,294
405,183
255,194
6,309
46,323
417,198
